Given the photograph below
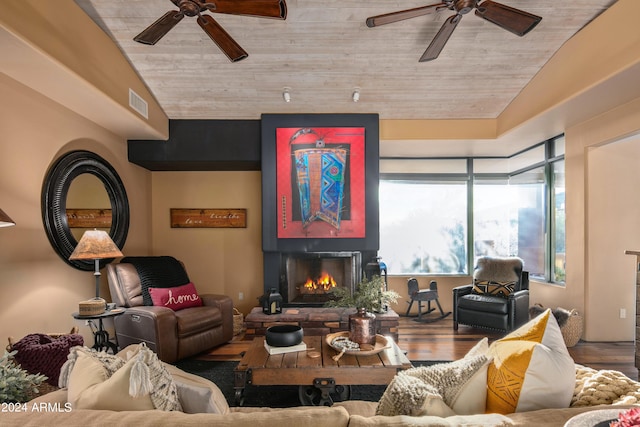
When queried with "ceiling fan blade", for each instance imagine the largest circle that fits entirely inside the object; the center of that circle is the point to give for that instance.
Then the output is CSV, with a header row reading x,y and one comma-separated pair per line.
x,y
438,42
388,18
158,29
260,8
220,37
514,20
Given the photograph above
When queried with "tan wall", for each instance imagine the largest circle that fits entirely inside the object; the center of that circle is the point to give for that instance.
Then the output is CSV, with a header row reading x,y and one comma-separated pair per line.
x,y
38,290
218,260
602,211
612,227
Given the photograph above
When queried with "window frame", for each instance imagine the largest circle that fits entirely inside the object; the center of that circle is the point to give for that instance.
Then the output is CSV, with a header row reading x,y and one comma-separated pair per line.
x,y
469,178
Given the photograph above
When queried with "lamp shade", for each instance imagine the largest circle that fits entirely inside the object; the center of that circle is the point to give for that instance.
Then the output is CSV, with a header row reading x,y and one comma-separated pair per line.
x,y
5,221
95,244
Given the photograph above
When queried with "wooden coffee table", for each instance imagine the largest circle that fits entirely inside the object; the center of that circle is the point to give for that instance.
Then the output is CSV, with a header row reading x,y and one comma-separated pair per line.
x,y
321,379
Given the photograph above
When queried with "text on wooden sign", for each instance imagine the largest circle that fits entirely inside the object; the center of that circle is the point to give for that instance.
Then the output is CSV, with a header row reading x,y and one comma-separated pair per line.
x,y
208,218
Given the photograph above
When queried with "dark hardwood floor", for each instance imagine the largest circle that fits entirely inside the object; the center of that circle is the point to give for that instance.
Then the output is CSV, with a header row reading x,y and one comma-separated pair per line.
x,y
438,341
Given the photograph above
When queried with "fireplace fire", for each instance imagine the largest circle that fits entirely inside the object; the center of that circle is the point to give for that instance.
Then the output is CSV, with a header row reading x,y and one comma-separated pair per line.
x,y
311,276
325,283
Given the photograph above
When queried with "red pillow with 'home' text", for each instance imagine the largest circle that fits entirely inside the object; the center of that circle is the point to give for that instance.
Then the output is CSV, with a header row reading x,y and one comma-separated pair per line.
x,y
176,298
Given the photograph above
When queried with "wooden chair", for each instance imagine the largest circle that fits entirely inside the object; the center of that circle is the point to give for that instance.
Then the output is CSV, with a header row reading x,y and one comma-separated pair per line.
x,y
424,295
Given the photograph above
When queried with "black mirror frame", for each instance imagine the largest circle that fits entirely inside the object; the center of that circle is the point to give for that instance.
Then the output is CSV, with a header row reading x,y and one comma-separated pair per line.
x,y
54,203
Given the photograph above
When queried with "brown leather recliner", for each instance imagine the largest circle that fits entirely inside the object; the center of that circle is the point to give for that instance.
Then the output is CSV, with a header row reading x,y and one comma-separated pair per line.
x,y
173,335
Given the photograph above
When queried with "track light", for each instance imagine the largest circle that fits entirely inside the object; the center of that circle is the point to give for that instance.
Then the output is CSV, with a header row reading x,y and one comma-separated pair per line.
x,y
356,94
286,95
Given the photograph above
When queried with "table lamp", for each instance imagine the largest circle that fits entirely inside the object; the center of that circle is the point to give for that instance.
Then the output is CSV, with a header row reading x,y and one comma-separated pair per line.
x,y
5,221
96,245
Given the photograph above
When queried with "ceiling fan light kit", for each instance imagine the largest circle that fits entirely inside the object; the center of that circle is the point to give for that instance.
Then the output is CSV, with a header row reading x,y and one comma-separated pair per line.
x,y
276,9
508,18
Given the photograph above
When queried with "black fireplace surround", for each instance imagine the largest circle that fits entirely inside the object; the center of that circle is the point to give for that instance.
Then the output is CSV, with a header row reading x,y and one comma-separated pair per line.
x,y
277,251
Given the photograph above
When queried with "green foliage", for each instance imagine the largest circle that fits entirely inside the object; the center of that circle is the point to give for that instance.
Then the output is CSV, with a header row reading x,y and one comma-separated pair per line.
x,y
369,295
16,384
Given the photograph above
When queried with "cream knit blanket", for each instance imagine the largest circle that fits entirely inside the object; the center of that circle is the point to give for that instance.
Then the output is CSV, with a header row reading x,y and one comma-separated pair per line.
x,y
604,387
425,389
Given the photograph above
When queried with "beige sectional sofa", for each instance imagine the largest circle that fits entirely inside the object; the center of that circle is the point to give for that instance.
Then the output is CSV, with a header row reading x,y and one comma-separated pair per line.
x,y
123,390
49,410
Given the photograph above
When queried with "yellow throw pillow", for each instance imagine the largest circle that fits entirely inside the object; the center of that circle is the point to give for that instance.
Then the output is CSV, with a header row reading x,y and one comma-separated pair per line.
x,y
531,369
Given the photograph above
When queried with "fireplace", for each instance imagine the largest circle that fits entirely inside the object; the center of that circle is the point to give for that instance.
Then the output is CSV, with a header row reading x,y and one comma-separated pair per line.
x,y
301,239
309,277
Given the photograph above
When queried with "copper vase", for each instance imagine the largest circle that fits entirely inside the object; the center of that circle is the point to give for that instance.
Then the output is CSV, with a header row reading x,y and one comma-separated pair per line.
x,y
362,327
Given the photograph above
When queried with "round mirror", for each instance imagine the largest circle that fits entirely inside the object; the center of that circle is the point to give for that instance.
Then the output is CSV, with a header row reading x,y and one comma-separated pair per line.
x,y
55,193
88,205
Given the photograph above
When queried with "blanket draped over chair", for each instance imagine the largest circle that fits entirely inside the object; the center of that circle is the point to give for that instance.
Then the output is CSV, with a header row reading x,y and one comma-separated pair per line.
x,y
159,272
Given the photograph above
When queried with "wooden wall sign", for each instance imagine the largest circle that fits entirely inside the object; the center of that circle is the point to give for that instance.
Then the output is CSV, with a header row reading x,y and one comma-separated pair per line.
x,y
208,218
89,218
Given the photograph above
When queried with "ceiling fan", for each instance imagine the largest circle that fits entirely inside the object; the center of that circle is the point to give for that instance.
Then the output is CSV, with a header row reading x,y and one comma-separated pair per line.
x,y
258,8
514,20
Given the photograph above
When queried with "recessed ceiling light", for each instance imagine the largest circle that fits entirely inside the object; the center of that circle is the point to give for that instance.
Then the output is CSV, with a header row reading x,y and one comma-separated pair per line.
x,y
356,94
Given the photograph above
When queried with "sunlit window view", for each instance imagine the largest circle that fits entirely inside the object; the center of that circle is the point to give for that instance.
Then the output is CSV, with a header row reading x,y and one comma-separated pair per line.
x,y
558,271
509,221
424,220
423,227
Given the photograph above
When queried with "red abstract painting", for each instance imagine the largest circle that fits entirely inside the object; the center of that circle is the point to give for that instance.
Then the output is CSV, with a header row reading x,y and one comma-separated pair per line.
x,y
320,182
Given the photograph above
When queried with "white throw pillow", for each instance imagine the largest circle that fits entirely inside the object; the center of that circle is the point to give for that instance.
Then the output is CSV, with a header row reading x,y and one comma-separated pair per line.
x,y
531,369
198,395
472,396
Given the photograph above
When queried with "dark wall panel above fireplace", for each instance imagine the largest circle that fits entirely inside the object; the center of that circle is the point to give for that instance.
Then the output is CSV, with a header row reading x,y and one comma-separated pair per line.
x,y
201,145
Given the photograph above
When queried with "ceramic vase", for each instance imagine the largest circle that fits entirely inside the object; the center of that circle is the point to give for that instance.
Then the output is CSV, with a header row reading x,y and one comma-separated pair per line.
x,y
362,327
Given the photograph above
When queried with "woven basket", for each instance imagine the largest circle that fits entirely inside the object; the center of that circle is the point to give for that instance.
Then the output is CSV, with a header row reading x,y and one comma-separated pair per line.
x,y
572,330
238,321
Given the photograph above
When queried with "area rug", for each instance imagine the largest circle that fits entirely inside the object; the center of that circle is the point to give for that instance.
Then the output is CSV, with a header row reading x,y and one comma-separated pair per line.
x,y
221,373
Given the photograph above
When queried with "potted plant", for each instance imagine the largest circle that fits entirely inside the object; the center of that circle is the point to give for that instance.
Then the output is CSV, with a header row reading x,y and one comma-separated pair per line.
x,y
16,384
369,294
368,298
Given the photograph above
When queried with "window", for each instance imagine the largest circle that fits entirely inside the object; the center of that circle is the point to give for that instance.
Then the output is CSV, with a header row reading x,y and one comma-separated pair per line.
x,y
509,219
510,204
495,222
558,224
423,226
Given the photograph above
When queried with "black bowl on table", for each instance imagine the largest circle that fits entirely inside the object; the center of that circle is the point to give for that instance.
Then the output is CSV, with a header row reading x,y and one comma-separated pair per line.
x,y
283,335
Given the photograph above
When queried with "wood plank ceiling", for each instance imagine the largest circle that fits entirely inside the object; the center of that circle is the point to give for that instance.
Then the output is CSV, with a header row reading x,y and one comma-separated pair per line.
x,y
324,50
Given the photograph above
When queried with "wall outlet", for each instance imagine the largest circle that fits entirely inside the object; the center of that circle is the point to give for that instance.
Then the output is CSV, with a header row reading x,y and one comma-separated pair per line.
x,y
623,313
240,296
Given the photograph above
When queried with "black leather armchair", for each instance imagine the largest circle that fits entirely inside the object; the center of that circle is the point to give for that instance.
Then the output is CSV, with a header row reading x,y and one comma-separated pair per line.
x,y
498,299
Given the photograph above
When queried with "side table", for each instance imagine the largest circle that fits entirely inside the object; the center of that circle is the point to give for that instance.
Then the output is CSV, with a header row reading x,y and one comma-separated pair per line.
x,y
100,335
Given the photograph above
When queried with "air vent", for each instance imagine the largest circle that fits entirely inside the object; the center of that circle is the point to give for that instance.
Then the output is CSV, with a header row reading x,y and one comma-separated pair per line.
x,y
138,104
